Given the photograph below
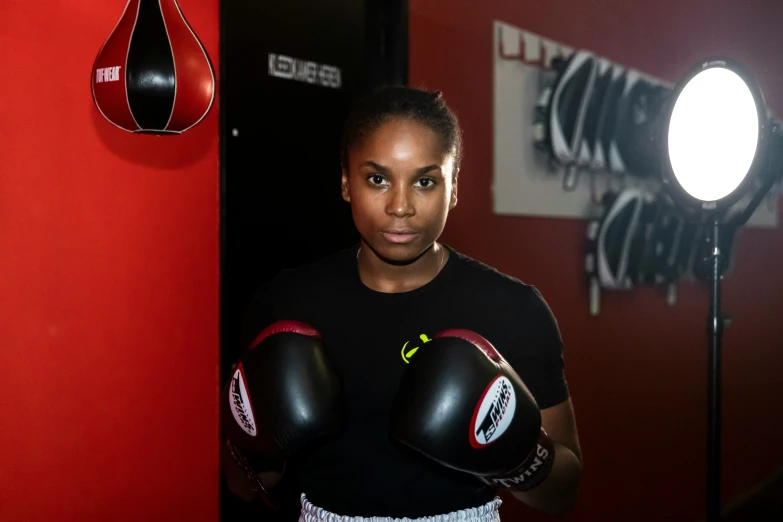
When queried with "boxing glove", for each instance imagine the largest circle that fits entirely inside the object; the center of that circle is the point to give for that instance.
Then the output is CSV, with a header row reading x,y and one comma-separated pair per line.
x,y
461,404
283,394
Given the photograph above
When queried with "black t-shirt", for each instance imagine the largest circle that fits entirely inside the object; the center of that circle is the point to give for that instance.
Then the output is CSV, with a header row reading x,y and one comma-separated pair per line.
x,y
369,336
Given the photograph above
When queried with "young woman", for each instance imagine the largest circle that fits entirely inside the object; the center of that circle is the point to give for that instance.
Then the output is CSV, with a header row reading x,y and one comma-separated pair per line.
x,y
330,404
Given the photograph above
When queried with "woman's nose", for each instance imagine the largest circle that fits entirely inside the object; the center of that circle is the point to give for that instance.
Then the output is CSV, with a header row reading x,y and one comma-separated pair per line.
x,y
400,202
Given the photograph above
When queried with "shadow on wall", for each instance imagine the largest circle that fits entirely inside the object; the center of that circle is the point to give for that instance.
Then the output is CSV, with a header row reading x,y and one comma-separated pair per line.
x,y
155,151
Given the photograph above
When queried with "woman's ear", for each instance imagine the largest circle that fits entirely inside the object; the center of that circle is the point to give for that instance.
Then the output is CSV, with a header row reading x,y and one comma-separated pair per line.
x,y
453,202
345,187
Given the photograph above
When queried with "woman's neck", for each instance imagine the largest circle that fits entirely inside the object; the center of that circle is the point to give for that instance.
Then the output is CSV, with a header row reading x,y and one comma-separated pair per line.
x,y
383,277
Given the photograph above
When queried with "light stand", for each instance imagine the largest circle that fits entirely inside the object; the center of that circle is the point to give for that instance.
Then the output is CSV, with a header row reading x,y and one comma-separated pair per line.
x,y
715,137
715,331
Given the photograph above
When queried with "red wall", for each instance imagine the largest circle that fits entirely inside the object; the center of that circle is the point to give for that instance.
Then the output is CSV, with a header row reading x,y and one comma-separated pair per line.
x,y
108,285
109,275
638,371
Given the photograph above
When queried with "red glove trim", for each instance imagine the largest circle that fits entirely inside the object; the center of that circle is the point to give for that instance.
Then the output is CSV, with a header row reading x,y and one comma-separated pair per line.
x,y
474,338
285,326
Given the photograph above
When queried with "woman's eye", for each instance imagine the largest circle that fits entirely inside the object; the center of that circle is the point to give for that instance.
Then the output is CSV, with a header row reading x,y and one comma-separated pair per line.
x,y
376,179
426,182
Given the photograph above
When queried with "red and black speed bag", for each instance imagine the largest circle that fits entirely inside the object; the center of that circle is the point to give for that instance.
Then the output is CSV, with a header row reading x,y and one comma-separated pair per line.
x,y
152,74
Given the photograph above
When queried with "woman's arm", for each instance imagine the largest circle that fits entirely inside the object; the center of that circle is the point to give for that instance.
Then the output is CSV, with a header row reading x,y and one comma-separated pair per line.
x,y
557,494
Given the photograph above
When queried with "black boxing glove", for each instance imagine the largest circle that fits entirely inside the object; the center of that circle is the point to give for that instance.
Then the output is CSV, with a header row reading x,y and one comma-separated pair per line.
x,y
461,404
283,394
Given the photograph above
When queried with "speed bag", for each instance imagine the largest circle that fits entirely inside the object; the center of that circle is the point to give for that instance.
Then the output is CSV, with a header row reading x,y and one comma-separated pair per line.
x,y
152,74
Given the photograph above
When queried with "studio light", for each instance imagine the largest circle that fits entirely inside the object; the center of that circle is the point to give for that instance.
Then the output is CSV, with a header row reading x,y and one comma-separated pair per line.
x,y
716,140
714,127
715,136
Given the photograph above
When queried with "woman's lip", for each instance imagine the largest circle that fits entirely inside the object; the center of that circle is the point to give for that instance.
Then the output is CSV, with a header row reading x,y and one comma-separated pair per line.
x,y
399,237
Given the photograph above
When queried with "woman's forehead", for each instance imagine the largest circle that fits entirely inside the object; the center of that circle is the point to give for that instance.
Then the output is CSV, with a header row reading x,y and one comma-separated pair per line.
x,y
403,140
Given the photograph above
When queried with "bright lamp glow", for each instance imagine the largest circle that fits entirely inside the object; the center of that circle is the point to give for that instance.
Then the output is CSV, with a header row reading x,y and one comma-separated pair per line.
x,y
713,134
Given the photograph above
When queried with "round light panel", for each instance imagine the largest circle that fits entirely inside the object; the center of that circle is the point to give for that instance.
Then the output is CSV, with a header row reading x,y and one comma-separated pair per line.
x,y
713,134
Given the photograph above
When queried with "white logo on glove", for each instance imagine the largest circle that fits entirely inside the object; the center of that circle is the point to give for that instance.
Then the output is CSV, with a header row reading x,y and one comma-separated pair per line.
x,y
240,403
493,413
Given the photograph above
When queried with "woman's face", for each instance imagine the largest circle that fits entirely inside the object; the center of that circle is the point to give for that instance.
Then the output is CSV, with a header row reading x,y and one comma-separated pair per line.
x,y
400,183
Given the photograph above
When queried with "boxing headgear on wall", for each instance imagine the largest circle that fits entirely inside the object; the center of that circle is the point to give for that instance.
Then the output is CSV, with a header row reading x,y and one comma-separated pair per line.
x,y
152,74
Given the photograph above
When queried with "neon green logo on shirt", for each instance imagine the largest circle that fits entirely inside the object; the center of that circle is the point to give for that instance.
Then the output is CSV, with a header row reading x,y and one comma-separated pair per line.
x,y
407,353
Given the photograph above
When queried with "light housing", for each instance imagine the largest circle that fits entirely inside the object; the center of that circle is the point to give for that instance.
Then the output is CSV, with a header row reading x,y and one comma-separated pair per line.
x,y
714,137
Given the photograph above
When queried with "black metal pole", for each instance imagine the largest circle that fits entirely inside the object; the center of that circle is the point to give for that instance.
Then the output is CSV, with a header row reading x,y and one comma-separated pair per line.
x,y
715,332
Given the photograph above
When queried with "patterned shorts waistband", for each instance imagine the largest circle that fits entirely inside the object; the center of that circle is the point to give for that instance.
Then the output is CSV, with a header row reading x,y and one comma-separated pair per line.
x,y
486,513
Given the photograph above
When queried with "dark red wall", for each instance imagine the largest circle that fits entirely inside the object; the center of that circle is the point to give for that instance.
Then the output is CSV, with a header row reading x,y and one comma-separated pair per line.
x,y
637,372
109,275
108,286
